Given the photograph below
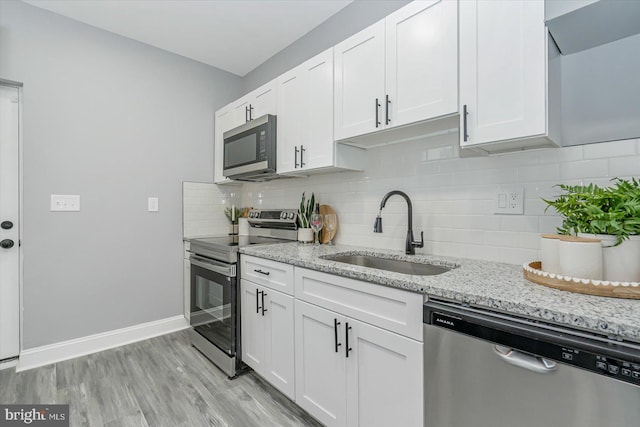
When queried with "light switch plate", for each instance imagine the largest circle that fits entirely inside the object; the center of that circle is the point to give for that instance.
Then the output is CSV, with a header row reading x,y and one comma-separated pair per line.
x,y
509,200
65,203
152,204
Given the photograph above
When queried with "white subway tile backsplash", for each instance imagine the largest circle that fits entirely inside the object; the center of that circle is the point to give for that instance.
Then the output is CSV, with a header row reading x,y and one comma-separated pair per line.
x,y
453,199
625,166
584,169
606,150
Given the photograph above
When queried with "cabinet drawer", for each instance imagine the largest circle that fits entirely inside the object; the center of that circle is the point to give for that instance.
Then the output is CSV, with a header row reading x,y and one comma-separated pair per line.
x,y
272,274
388,308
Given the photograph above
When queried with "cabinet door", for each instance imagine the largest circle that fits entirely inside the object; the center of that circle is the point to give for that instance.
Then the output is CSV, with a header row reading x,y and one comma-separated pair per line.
x,y
359,82
240,112
502,70
318,138
292,101
320,369
422,62
279,351
263,100
384,378
252,327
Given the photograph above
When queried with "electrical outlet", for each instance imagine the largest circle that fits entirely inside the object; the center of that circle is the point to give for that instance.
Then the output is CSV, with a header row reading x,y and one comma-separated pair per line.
x,y
65,203
510,201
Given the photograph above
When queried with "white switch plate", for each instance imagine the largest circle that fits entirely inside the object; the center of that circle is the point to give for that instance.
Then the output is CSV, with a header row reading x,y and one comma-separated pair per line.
x,y
65,203
509,200
152,204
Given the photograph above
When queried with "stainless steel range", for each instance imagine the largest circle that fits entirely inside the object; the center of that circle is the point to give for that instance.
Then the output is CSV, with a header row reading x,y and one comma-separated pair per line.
x,y
215,295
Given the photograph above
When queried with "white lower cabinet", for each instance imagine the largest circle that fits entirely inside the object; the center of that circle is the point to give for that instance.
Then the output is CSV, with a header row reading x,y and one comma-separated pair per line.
x,y
267,335
350,373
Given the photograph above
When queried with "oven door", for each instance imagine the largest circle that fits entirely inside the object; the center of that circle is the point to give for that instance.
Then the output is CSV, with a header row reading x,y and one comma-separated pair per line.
x,y
214,299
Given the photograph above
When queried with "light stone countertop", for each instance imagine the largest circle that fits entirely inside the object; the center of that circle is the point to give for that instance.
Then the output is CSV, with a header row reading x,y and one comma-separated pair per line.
x,y
483,284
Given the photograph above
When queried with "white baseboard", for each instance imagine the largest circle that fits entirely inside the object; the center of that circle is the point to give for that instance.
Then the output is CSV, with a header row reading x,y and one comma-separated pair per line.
x,y
52,353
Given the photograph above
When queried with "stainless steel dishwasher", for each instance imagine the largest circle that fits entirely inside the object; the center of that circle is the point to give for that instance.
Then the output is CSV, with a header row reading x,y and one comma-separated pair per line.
x,y
485,369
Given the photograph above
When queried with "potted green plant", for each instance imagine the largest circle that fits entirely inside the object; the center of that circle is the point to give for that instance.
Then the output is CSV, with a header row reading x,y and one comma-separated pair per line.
x,y
305,233
611,214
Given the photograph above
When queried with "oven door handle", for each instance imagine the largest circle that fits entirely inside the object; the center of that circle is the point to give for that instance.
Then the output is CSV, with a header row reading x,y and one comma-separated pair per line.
x,y
228,270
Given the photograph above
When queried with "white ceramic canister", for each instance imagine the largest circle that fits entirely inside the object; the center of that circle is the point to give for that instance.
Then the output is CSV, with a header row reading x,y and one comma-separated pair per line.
x,y
580,257
549,252
619,263
243,226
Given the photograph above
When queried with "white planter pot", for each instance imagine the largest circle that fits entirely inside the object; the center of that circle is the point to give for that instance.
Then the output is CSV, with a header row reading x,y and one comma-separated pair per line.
x,y
305,235
619,263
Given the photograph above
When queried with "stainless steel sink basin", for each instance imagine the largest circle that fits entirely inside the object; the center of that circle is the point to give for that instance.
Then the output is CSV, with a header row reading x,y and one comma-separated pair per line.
x,y
396,265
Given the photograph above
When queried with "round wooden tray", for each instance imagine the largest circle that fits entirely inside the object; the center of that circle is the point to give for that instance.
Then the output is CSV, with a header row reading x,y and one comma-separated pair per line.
x,y
603,288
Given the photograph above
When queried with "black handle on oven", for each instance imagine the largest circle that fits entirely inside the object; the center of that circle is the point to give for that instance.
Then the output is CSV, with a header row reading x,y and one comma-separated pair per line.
x,y
263,309
257,301
335,334
266,273
348,349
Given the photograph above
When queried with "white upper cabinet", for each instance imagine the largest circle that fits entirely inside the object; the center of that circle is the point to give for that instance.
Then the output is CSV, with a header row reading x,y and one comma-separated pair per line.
x,y
359,82
503,76
398,71
422,61
251,106
305,119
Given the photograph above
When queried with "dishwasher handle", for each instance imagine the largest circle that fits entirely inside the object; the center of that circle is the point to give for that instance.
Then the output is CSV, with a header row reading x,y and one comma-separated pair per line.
x,y
526,361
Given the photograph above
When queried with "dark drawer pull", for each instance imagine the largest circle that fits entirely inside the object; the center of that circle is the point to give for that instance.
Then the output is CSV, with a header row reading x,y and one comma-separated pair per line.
x,y
347,329
335,334
266,273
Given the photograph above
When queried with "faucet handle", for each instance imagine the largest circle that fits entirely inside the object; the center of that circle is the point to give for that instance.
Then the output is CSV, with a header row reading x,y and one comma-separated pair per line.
x,y
419,244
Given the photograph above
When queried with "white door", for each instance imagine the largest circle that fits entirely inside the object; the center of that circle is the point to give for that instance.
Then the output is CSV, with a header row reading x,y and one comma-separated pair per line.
x,y
320,364
384,378
9,215
359,83
291,114
278,350
264,101
502,70
422,62
252,326
319,145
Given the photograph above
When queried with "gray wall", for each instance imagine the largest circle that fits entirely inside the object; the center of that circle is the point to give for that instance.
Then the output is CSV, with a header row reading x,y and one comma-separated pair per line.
x,y
353,18
115,121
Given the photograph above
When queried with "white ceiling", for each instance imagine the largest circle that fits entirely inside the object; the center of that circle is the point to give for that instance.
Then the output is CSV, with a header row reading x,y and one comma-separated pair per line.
x,y
234,35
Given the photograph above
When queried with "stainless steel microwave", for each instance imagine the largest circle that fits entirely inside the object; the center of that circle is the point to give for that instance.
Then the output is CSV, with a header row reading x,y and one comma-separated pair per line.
x,y
250,150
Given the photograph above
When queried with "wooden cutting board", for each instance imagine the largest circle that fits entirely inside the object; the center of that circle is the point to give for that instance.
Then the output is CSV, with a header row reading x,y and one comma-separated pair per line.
x,y
325,236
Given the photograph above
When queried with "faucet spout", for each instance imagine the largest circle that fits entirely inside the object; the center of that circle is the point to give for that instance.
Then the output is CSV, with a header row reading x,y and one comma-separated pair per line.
x,y
410,244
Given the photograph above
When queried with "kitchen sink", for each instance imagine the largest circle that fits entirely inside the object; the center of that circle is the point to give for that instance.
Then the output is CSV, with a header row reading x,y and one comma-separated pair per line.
x,y
395,265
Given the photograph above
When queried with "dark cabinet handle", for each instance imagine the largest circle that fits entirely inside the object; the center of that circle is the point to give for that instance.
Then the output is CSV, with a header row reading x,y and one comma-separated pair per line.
x,y
301,154
263,309
335,334
250,112
7,243
387,118
257,301
246,114
377,107
346,339
465,136
295,166
266,273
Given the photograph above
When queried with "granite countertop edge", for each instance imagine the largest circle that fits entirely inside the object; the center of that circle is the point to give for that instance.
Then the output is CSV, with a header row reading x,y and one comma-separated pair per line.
x,y
490,285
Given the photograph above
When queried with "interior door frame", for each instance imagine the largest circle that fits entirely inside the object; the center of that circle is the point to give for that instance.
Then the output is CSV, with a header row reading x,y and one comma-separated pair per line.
x,y
19,86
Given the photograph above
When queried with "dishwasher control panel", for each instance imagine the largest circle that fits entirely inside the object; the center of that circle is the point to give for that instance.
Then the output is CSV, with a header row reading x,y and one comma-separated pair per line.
x,y
605,359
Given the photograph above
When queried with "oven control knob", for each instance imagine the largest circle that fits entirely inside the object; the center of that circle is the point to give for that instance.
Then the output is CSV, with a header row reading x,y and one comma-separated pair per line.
x,y
291,215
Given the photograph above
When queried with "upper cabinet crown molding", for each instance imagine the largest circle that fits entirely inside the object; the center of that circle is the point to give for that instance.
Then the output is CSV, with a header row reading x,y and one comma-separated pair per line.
x,y
509,87
399,71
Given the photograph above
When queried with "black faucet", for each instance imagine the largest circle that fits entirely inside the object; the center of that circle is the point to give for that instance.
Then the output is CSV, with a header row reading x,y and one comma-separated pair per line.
x,y
410,245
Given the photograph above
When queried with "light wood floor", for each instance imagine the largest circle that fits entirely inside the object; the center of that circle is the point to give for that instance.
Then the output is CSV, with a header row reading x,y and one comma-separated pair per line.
x,y
162,381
